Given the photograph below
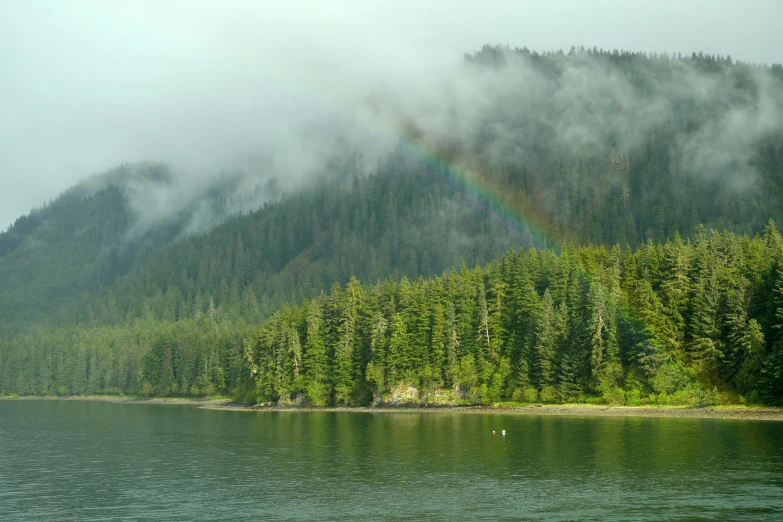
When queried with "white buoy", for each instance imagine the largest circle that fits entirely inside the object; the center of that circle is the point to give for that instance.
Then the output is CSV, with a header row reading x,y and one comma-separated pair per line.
x,y
503,432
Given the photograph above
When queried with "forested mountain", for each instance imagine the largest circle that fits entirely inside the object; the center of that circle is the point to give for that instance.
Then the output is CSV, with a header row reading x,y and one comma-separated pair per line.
x,y
407,219
75,244
623,147
93,234
102,292
675,323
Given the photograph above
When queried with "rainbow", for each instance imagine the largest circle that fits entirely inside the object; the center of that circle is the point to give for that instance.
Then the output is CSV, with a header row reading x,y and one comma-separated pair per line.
x,y
479,188
531,223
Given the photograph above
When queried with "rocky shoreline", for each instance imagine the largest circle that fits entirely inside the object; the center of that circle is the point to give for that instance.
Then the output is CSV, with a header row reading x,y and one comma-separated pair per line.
x,y
739,413
578,410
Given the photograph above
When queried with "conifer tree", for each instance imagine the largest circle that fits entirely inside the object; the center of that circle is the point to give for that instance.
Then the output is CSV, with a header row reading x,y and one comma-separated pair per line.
x,y
377,368
545,344
345,364
315,359
771,381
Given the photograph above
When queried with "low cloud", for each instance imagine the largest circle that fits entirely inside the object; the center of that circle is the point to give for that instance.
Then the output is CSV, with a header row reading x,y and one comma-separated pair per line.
x,y
249,92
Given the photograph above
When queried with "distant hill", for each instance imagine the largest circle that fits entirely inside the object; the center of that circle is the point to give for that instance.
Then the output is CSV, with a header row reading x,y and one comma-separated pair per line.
x,y
92,235
84,263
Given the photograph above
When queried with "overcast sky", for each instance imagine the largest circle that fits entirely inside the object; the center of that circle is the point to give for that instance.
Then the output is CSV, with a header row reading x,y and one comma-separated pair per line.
x,y
85,85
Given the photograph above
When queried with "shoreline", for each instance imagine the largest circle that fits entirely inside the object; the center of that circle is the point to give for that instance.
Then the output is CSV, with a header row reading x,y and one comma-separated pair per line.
x,y
574,410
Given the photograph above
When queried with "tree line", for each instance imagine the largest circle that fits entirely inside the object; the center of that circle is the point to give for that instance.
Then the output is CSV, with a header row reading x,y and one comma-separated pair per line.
x,y
674,322
84,304
679,322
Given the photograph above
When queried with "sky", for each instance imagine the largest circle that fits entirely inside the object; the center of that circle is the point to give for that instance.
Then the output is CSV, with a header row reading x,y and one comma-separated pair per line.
x,y
88,84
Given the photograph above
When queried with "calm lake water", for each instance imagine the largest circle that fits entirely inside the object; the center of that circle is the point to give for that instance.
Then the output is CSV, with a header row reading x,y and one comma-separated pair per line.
x,y
79,460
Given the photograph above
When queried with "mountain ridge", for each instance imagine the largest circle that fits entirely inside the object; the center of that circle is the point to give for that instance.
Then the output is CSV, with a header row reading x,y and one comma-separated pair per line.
x,y
595,167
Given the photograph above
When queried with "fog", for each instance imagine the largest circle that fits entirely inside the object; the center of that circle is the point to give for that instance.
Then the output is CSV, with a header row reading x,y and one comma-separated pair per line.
x,y
273,90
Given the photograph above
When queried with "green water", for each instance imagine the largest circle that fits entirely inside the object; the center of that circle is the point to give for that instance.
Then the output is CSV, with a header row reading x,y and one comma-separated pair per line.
x,y
74,460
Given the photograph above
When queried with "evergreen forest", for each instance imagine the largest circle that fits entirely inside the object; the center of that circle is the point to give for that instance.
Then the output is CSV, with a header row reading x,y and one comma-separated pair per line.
x,y
603,229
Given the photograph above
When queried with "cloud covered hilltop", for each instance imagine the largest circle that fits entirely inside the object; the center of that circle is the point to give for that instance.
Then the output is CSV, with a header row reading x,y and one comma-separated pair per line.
x,y
150,279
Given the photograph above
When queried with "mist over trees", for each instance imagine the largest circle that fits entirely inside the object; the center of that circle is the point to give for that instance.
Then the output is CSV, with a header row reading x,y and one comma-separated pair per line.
x,y
146,281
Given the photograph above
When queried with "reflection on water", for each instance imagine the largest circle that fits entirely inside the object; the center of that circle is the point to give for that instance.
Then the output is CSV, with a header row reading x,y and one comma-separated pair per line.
x,y
82,460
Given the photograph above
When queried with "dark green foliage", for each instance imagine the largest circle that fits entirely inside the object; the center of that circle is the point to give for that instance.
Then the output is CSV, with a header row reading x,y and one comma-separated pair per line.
x,y
91,303
620,343
187,358
405,220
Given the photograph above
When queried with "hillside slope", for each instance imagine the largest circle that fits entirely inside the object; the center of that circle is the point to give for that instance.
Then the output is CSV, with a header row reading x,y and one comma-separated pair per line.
x,y
95,233
543,150
681,322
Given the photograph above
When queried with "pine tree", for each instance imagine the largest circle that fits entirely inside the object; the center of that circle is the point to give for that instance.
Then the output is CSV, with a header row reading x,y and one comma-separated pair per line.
x,y
345,366
604,359
315,358
453,346
483,339
398,348
376,372
526,306
771,380
676,290
438,342
498,319
419,334
295,348
705,348
545,344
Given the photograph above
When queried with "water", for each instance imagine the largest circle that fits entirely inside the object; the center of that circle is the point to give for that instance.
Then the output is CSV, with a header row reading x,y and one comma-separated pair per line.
x,y
80,460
